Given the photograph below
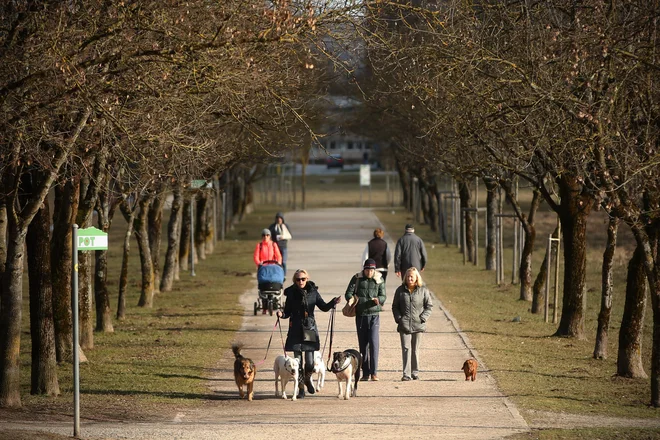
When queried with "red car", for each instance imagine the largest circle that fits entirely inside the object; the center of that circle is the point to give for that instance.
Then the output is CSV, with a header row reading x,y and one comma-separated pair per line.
x,y
334,161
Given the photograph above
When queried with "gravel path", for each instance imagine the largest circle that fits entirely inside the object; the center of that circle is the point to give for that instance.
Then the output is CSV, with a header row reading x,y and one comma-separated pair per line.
x,y
329,244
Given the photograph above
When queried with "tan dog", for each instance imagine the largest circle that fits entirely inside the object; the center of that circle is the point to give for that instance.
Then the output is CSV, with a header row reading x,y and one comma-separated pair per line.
x,y
470,369
244,372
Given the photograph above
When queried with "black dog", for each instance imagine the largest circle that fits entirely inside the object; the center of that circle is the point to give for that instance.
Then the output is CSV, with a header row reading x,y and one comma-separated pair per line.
x,y
347,365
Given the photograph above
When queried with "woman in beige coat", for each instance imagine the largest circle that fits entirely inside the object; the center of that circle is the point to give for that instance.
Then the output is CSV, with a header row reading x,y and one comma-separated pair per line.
x,y
411,307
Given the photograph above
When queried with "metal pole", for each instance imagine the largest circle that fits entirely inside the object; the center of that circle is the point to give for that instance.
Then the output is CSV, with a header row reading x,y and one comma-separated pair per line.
x,y
192,237
476,237
548,256
76,333
215,214
464,241
497,250
223,218
556,300
514,270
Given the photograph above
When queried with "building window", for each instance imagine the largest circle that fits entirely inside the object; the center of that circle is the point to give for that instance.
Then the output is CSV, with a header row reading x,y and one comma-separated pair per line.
x,y
350,145
332,145
367,145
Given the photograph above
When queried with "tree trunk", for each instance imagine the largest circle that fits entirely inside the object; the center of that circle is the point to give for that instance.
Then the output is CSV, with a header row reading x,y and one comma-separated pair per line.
x,y
491,210
3,245
173,237
209,225
200,224
123,277
105,209
88,197
629,361
600,349
573,212
155,232
186,228
539,294
10,320
42,327
528,223
66,208
466,203
146,266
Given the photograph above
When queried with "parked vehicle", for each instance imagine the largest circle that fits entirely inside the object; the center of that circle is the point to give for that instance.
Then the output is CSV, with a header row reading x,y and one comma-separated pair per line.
x,y
335,161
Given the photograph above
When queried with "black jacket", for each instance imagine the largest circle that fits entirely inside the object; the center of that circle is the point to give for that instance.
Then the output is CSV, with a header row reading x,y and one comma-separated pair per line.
x,y
293,309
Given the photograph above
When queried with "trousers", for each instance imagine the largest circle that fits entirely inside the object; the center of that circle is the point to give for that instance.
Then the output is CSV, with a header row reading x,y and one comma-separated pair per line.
x,y
368,328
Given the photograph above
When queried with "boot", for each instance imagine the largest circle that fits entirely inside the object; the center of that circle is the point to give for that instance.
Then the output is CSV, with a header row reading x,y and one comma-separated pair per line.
x,y
308,382
301,391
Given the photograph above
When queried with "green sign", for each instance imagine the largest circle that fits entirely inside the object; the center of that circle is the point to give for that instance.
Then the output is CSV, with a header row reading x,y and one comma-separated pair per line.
x,y
92,239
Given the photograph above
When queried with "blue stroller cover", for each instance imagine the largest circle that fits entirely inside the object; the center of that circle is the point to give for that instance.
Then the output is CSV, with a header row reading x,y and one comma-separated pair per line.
x,y
270,273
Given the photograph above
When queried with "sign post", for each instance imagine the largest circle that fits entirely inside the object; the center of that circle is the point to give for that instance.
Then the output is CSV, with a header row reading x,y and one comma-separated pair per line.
x,y
89,239
365,180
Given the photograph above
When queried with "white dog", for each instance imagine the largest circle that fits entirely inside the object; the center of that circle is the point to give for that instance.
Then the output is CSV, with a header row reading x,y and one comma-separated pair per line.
x,y
319,369
286,368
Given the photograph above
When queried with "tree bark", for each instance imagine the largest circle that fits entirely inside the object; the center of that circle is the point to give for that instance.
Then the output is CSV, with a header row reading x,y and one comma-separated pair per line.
x,y
146,265
10,320
155,228
173,237
602,334
491,210
42,328
105,208
528,223
184,249
573,212
539,283
66,208
200,224
466,203
629,361
3,245
123,277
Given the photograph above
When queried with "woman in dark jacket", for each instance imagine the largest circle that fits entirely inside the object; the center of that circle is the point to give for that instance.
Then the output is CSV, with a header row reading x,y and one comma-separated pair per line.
x,y
411,308
303,336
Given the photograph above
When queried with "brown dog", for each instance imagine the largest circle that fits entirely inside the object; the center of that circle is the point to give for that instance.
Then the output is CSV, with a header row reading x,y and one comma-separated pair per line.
x,y
470,369
244,372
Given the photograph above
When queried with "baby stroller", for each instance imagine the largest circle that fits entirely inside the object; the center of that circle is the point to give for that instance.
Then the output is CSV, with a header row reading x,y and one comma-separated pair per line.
x,y
270,278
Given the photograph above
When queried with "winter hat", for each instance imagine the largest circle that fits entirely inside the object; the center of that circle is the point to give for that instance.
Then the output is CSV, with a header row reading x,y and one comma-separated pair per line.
x,y
369,263
410,228
280,215
265,232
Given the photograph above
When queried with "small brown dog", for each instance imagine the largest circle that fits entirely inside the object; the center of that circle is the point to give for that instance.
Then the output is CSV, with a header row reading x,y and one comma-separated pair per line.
x,y
244,372
470,369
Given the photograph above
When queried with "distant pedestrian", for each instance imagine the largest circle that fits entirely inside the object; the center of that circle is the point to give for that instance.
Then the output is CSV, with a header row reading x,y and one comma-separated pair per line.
x,y
266,250
280,233
378,251
409,252
369,289
411,308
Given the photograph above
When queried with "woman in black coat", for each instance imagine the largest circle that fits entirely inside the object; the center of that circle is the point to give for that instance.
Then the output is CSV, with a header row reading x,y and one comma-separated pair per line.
x,y
303,336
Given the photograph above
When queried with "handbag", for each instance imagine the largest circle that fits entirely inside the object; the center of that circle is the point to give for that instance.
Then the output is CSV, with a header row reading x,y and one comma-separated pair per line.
x,y
309,330
286,235
349,309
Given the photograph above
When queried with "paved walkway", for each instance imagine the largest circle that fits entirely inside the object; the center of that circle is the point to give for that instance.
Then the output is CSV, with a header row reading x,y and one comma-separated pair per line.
x,y
442,405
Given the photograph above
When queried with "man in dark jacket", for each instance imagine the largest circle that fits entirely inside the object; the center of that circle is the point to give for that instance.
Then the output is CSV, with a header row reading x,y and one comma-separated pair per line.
x,y
409,252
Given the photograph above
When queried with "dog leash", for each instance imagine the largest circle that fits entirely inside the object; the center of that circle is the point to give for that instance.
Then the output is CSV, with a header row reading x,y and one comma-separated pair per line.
x,y
331,330
269,341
